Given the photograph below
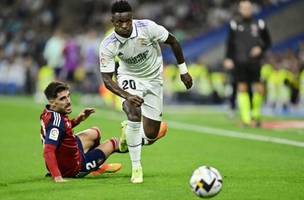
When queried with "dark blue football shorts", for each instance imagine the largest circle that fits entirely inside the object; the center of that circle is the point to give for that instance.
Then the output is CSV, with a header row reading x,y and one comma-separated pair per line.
x,y
90,160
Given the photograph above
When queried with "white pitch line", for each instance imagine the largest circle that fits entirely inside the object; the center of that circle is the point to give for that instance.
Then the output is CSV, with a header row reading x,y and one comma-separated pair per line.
x,y
233,134
216,131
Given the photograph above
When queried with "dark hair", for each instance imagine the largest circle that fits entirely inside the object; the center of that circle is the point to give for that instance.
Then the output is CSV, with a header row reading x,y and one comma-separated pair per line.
x,y
121,6
54,88
245,0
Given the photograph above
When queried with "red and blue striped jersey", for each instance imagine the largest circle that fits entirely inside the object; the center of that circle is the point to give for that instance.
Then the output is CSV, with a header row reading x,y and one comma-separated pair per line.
x,y
61,152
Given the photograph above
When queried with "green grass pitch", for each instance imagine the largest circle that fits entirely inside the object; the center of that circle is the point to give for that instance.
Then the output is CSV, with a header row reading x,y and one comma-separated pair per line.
x,y
251,169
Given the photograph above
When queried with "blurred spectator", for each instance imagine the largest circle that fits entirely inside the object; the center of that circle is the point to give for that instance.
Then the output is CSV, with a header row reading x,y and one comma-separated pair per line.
x,y
31,70
71,55
12,79
53,51
89,51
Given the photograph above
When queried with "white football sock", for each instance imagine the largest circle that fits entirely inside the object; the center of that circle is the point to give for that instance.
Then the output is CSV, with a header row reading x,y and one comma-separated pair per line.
x,y
134,140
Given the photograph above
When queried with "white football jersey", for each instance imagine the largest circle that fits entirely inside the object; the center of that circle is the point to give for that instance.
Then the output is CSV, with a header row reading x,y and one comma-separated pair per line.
x,y
140,54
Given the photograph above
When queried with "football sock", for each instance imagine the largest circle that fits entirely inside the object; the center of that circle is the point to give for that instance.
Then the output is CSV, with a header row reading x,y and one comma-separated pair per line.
x,y
134,140
114,143
244,106
257,102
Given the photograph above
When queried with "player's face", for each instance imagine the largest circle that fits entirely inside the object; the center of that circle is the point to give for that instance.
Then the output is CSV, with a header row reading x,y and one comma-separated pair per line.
x,y
245,9
122,23
62,103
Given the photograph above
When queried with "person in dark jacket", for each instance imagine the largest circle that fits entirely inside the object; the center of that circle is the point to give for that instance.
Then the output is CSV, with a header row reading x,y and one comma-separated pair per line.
x,y
248,40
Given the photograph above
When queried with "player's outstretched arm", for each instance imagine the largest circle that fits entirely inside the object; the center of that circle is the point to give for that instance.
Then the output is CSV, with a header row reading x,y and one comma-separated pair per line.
x,y
178,53
113,87
83,115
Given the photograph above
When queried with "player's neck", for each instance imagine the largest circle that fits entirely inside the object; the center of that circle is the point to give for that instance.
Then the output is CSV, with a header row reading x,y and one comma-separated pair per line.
x,y
52,108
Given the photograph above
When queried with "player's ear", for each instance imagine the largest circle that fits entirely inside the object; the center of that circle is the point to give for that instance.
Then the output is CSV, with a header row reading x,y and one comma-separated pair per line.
x,y
51,101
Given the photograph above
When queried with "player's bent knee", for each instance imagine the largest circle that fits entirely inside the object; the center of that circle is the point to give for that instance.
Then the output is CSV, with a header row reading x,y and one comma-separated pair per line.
x,y
134,118
97,132
133,113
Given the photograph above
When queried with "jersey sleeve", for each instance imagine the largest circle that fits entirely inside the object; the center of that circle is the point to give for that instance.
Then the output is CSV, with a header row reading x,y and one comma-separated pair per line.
x,y
106,58
264,33
53,135
50,160
157,32
229,42
74,122
55,130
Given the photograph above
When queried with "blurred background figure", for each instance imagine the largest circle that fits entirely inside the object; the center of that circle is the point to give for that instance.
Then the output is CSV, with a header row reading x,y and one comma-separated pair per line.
x,y
248,39
71,58
53,52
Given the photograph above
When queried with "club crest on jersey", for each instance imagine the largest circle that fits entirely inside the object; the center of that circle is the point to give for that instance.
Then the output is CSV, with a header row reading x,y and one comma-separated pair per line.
x,y
143,41
54,133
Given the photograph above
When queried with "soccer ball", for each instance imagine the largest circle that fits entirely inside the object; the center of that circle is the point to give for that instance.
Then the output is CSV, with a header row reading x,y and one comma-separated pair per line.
x,y
206,181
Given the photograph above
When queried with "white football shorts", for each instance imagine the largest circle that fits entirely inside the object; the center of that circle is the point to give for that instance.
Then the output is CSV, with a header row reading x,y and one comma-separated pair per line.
x,y
150,90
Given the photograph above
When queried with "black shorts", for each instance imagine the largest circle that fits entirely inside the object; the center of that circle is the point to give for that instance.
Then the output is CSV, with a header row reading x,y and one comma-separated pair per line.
x,y
248,72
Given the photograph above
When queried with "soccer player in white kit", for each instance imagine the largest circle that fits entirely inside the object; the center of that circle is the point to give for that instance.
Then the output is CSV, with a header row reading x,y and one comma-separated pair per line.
x,y
139,80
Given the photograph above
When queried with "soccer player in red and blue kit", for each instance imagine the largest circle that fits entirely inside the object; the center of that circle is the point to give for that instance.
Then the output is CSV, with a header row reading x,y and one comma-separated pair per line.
x,y
66,154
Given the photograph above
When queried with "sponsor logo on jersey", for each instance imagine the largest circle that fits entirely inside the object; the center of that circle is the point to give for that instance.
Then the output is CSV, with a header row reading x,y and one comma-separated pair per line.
x,y
54,133
138,58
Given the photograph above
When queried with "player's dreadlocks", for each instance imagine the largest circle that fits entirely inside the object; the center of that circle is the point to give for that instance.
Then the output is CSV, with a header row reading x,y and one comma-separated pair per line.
x,y
121,6
54,88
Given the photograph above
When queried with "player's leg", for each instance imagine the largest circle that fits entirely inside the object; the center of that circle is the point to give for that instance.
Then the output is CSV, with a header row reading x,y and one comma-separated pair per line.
x,y
132,129
257,101
257,93
134,139
95,158
152,130
232,99
90,138
243,98
244,103
163,129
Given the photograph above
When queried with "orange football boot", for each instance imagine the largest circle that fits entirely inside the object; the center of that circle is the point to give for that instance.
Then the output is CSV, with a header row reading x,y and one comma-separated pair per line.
x,y
107,168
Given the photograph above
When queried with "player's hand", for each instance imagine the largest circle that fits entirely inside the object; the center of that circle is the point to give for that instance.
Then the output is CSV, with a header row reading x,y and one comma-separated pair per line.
x,y
135,100
255,51
83,115
59,179
228,64
187,80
